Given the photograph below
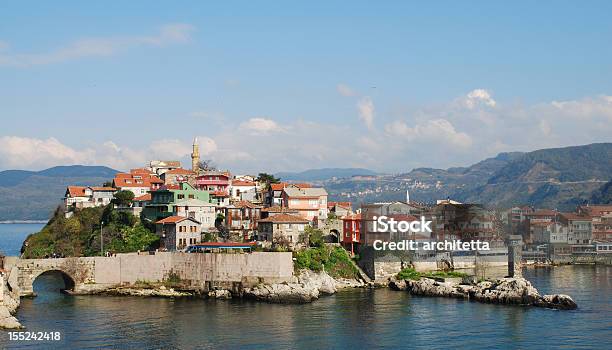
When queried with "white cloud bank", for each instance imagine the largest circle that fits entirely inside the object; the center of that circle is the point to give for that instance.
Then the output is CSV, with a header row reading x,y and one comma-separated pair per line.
x,y
436,136
176,33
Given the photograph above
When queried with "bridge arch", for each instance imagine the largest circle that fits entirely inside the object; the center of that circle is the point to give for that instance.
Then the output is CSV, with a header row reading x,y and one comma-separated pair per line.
x,y
69,282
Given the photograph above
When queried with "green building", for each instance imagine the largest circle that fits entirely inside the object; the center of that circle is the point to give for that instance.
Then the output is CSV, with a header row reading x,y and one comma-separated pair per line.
x,y
163,200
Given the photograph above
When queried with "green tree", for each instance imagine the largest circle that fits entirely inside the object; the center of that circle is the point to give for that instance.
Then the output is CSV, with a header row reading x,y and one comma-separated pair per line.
x,y
123,198
315,236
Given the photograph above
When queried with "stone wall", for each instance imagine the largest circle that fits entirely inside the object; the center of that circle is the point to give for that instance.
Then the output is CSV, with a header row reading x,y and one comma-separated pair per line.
x,y
197,271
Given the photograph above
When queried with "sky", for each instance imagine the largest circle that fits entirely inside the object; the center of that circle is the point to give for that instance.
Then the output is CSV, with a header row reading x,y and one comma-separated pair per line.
x,y
277,86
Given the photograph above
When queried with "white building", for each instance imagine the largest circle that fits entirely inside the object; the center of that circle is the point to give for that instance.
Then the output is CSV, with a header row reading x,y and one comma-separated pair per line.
x,y
201,211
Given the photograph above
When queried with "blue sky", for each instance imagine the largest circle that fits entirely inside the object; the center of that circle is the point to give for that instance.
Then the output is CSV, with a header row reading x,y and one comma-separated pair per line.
x,y
274,86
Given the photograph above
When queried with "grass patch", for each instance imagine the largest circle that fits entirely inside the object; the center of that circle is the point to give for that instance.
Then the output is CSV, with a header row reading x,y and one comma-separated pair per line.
x,y
334,260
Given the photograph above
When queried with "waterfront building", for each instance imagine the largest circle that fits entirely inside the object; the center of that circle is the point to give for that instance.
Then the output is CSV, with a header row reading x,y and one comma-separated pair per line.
x,y
351,232
243,217
282,229
178,232
79,197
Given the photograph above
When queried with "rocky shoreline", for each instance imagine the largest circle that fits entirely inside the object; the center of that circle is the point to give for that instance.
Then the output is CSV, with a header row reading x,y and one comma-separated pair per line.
x,y
510,291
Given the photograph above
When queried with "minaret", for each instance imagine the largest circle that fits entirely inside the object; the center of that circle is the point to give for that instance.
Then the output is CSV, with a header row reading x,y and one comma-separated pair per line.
x,y
407,196
195,157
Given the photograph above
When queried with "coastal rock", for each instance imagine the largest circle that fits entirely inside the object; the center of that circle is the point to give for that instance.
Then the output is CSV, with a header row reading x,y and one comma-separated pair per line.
x,y
518,291
8,321
283,293
148,292
307,288
220,294
343,283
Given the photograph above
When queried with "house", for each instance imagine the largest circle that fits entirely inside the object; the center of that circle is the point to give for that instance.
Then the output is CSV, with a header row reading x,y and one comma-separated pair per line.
x,y
163,200
580,228
74,195
274,195
351,232
201,211
138,204
282,229
277,209
138,181
87,197
243,190
340,209
158,167
310,202
217,183
602,220
102,196
176,176
178,232
242,217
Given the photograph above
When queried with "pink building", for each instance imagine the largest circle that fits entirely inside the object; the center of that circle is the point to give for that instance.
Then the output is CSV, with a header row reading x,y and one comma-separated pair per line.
x,y
311,203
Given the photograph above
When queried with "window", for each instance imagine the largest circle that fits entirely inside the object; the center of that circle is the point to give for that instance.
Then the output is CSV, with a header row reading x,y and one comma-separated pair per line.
x,y
181,196
312,202
191,196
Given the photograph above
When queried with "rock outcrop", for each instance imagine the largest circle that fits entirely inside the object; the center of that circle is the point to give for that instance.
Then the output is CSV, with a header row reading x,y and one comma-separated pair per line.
x,y
307,287
8,306
517,291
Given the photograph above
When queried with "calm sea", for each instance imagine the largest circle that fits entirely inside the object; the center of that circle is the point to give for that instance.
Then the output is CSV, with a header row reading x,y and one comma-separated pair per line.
x,y
353,319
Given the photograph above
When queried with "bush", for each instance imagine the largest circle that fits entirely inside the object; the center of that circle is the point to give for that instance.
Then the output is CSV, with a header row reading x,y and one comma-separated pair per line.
x,y
334,260
412,274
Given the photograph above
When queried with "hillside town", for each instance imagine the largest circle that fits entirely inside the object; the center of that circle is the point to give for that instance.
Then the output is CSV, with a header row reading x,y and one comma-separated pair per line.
x,y
204,204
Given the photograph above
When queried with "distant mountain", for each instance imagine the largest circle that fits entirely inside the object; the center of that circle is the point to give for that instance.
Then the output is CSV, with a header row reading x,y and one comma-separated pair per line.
x,y
323,174
556,178
32,195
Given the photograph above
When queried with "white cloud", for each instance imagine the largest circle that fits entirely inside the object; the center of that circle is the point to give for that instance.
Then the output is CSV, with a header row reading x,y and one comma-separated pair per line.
x,y
98,47
478,97
345,90
366,111
261,125
24,152
438,131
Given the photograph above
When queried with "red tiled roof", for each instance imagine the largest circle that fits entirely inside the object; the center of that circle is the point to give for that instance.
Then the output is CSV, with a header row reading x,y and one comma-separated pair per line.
x,y
574,216
219,193
245,204
242,183
403,217
172,220
109,189
180,171
543,212
143,198
76,191
285,218
346,205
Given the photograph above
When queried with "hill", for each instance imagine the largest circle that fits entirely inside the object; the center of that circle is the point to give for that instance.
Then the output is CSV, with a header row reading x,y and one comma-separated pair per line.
x,y
323,174
556,178
33,195
603,195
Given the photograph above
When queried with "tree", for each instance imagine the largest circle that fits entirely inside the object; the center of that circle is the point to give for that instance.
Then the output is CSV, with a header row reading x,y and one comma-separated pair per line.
x,y
267,179
123,198
315,236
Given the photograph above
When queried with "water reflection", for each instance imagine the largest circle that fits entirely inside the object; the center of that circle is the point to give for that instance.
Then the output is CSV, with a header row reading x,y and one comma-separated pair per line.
x,y
352,319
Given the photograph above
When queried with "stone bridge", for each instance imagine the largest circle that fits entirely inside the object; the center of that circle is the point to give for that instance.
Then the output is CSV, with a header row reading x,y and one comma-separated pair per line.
x,y
198,271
